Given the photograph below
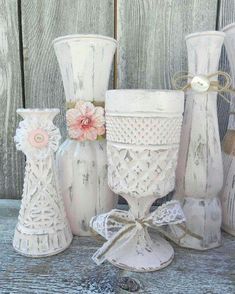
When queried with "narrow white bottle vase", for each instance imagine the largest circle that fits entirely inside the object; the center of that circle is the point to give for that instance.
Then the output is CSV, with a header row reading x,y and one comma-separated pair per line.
x,y
85,63
227,195
42,227
199,175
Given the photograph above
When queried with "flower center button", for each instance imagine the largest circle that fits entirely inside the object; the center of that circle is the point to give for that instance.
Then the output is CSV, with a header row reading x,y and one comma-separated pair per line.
x,y
38,138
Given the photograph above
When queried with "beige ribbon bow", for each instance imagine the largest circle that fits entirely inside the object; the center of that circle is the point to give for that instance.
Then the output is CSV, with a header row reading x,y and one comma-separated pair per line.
x,y
119,226
203,83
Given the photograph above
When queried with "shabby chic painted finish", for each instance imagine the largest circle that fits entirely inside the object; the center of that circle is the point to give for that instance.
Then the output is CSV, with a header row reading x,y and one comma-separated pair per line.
x,y
42,227
85,63
147,57
199,175
141,168
213,271
227,195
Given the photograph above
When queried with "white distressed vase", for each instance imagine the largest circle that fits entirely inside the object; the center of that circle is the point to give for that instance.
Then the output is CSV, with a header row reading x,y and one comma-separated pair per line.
x,y
199,174
227,195
143,135
42,227
85,63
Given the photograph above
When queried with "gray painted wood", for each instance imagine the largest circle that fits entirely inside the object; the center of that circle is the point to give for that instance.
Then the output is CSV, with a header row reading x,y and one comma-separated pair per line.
x,y
151,38
11,162
73,271
43,21
226,16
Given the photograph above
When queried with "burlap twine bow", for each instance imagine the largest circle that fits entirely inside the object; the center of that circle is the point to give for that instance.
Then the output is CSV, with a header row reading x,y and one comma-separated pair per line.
x,y
120,226
203,83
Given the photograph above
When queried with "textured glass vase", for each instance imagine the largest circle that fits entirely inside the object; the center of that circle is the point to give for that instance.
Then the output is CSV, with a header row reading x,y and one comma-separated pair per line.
x,y
227,195
85,63
199,175
42,227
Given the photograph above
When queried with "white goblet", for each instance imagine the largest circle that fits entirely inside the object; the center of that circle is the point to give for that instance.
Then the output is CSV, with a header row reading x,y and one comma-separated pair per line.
x,y
143,135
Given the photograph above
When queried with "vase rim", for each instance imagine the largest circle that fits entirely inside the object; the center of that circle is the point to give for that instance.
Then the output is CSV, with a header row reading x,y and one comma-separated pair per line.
x,y
146,90
229,26
145,101
38,110
83,36
205,33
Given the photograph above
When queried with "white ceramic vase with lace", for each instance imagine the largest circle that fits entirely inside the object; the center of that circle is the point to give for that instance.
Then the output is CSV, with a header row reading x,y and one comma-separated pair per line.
x,y
199,174
85,63
42,227
227,195
143,134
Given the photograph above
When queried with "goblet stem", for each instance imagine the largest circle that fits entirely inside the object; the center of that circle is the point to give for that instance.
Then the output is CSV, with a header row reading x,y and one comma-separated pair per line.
x,y
142,252
139,207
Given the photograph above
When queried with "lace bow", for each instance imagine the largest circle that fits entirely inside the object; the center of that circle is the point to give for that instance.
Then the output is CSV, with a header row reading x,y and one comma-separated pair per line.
x,y
120,226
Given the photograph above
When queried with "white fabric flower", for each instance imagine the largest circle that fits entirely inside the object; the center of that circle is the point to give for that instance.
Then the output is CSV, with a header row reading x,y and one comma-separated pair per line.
x,y
37,138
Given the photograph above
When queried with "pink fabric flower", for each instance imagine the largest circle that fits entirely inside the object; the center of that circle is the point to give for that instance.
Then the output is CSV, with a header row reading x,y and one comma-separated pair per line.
x,y
38,138
85,121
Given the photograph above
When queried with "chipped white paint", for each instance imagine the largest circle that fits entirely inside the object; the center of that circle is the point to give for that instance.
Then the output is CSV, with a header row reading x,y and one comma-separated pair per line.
x,y
85,63
142,171
199,176
227,195
75,273
42,227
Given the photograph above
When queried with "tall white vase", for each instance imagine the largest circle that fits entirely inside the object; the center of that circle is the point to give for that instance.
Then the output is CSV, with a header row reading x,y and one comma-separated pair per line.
x,y
42,227
199,175
85,63
227,195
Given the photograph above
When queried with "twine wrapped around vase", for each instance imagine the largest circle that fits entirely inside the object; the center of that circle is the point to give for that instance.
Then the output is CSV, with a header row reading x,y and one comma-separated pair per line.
x,y
203,83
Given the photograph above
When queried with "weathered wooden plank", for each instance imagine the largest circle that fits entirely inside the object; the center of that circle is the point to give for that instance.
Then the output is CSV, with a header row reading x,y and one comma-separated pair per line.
x,y
226,16
73,271
44,20
151,38
11,161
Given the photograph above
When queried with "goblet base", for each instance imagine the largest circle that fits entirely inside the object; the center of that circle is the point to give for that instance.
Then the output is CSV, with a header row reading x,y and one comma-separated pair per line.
x,y
136,258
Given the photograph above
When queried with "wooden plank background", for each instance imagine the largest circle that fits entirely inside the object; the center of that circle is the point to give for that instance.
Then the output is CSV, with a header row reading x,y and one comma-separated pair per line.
x,y
151,49
11,162
226,16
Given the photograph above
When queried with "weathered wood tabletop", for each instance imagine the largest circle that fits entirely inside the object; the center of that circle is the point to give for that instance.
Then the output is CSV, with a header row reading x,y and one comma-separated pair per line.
x,y
73,271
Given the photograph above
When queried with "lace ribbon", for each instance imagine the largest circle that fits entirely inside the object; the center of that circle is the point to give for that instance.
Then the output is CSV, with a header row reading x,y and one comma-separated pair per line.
x,y
119,226
216,86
